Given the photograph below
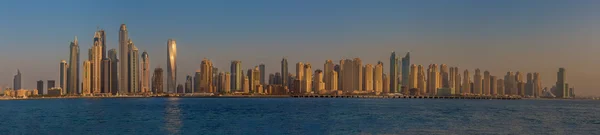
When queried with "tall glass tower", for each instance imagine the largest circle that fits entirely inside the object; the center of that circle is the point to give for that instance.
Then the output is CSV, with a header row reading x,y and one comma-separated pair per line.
x,y
406,70
236,75
284,72
393,72
73,74
123,59
171,66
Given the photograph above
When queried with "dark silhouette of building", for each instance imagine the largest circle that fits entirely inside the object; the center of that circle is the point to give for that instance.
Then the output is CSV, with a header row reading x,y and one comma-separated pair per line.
x,y
157,81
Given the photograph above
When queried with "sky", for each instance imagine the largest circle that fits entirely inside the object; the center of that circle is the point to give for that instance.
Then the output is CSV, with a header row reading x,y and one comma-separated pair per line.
x,y
495,35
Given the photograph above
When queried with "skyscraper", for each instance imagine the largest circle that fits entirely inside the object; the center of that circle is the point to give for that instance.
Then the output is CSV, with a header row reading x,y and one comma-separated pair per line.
x,y
262,73
510,84
466,86
486,83
333,78
520,86
96,63
145,73
87,78
529,85
284,73
227,83
100,38
413,77
171,66
368,78
64,69
307,78
347,76
106,83
433,79
358,73
319,85
421,80
406,72
123,60
114,76
188,84
561,80
493,85
537,84
299,76
501,89
477,85
40,87
73,73
236,75
134,68
393,72
50,84
328,67
444,76
206,78
157,81
378,78
457,81
17,80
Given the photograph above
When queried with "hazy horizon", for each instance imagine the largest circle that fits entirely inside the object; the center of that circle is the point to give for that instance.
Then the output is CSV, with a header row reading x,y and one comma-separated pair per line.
x,y
498,36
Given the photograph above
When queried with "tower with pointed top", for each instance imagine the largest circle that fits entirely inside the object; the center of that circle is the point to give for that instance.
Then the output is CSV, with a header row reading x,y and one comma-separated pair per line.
x,y
73,73
145,87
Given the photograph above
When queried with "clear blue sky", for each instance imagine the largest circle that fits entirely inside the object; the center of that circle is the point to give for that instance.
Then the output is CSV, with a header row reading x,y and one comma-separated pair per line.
x,y
499,36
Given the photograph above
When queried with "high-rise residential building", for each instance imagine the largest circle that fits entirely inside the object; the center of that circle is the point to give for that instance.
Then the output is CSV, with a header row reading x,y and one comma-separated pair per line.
x,y
157,81
451,77
406,72
245,87
537,84
457,80
284,73
421,80
561,81
73,73
319,85
262,69
368,78
333,79
64,69
486,83
134,68
299,76
510,84
307,78
95,58
493,85
87,78
256,80
206,70
466,86
444,76
378,78
17,80
518,80
236,75
501,89
529,85
433,79
386,84
227,83
249,74
413,77
179,88
477,85
196,83
327,68
50,84
114,76
171,65
358,73
40,87
123,60
347,76
100,39
188,84
145,73
393,78
338,69
106,83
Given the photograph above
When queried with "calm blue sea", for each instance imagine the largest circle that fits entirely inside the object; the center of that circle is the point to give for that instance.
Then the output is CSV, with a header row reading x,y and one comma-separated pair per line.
x,y
298,116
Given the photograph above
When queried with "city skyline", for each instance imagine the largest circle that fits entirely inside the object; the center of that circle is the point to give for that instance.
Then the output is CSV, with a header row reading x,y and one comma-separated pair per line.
x,y
493,57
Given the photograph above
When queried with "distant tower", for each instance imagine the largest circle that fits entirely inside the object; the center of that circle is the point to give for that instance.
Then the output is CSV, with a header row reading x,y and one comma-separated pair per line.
x,y
188,84
134,68
493,85
561,80
327,68
500,89
284,73
96,64
466,87
477,82
73,74
236,75
145,72
106,83
393,73
299,76
378,78
40,87
171,66
206,79
358,73
444,76
157,81
529,85
368,78
333,78
319,85
64,69
17,80
347,76
421,80
227,82
114,78
433,79
262,69
87,78
537,84
307,78
406,72
123,60
486,83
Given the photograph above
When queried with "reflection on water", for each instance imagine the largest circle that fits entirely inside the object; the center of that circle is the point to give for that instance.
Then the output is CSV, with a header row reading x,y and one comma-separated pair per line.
x,y
173,116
